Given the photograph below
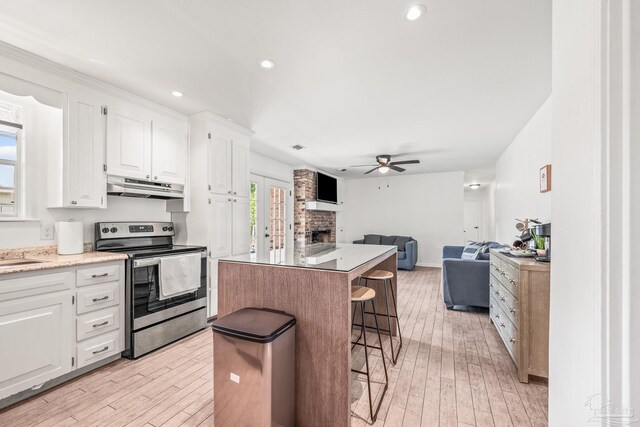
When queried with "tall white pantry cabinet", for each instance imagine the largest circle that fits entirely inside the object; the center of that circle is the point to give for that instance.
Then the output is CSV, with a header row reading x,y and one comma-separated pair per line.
x,y
219,199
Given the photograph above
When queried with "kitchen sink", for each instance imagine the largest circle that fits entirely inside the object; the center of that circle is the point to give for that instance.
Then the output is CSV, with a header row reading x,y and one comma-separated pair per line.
x,y
10,262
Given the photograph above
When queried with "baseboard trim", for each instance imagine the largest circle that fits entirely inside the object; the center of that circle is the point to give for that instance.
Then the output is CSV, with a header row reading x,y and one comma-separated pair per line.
x,y
429,264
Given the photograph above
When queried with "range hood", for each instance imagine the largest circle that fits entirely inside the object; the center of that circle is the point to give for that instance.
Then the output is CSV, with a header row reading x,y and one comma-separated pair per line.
x,y
129,187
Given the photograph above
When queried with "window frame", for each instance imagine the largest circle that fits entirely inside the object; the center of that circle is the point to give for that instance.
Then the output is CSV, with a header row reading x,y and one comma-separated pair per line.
x,y
17,172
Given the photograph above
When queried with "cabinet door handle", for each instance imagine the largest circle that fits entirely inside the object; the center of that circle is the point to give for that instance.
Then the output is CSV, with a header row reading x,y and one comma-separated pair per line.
x,y
512,310
512,340
155,177
101,298
74,202
502,299
235,200
502,324
235,194
97,325
95,276
497,316
229,199
148,176
229,191
102,350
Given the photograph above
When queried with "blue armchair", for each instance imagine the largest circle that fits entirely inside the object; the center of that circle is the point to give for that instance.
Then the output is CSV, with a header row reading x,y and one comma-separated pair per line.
x,y
464,282
407,258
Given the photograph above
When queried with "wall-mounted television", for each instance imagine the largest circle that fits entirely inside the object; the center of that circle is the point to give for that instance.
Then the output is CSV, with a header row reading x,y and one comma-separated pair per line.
x,y
327,189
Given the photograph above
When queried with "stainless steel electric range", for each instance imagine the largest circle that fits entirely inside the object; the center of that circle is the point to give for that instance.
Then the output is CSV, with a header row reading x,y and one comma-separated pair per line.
x,y
152,322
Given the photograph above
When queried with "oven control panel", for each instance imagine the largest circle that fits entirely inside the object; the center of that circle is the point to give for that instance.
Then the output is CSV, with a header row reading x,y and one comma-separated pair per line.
x,y
141,229
118,230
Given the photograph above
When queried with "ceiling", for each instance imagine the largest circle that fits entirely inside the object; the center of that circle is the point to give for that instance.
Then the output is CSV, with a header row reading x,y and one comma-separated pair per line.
x,y
352,79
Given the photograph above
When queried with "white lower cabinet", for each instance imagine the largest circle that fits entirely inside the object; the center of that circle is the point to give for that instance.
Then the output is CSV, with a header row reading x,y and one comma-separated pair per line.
x,y
43,336
36,341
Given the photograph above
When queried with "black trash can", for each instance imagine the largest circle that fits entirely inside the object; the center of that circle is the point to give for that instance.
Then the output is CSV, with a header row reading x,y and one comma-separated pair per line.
x,y
254,368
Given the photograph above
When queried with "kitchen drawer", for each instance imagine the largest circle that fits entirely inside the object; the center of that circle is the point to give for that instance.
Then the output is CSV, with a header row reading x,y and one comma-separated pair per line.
x,y
511,275
509,305
509,334
97,322
98,348
98,296
34,285
101,274
495,264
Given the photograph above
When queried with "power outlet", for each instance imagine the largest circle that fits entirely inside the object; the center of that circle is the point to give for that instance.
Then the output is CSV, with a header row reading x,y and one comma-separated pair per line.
x,y
46,231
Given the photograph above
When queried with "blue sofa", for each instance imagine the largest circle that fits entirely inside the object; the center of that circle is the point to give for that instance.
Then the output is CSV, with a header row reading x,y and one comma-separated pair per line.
x,y
407,248
464,281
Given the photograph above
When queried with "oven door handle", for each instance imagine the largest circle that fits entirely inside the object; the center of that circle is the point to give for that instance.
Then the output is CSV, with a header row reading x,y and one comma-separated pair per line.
x,y
146,262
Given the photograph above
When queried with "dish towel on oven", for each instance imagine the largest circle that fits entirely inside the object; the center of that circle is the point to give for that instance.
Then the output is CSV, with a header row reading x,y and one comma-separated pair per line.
x,y
179,275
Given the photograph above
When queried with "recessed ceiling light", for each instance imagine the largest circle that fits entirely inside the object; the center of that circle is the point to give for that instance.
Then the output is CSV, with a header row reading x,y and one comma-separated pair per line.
x,y
267,64
474,186
415,12
177,93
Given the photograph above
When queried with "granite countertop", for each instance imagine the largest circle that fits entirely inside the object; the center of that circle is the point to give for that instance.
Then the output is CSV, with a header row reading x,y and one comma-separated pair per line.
x,y
50,259
342,257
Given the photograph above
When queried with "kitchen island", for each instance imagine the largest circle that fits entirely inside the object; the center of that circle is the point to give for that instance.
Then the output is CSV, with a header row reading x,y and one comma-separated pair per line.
x,y
314,286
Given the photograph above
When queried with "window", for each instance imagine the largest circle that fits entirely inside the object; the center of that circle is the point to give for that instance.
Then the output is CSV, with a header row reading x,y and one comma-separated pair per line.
x,y
9,174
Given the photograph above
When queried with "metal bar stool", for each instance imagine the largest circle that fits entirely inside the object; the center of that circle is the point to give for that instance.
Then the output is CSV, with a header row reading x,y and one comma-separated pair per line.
x,y
387,278
360,295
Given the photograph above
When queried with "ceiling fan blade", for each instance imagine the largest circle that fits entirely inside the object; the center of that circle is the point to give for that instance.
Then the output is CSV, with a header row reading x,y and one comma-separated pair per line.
x,y
405,162
396,168
362,166
376,168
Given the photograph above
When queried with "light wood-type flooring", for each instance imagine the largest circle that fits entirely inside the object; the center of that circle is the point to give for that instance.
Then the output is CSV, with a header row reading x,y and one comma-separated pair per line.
x,y
452,371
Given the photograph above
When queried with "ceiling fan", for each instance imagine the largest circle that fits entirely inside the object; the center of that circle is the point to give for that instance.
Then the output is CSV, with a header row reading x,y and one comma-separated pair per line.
x,y
385,164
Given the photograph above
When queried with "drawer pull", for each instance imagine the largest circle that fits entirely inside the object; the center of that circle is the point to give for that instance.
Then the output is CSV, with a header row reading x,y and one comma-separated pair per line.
x,y
502,299
101,298
512,340
97,325
102,350
497,316
95,276
497,292
502,324
490,305
512,310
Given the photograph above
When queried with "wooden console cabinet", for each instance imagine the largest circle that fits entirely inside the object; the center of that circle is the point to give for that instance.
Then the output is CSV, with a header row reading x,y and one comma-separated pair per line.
x,y
519,309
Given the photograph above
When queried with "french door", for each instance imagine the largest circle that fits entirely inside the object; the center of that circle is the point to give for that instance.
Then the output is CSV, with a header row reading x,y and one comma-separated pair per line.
x,y
270,218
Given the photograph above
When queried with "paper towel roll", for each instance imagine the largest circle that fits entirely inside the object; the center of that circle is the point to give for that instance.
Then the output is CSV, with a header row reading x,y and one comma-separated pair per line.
x,y
70,237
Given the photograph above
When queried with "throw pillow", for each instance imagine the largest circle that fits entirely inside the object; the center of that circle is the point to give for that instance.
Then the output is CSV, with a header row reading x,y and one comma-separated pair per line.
x,y
372,239
388,240
472,250
401,241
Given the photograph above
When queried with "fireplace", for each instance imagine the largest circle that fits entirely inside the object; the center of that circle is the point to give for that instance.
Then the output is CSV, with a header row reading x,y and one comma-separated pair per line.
x,y
321,236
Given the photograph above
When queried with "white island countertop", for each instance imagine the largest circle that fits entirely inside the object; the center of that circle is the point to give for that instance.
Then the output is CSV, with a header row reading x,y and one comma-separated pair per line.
x,y
339,257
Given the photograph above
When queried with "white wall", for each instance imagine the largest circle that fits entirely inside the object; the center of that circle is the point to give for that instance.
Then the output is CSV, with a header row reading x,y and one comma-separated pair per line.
x,y
270,167
574,345
517,193
428,207
44,125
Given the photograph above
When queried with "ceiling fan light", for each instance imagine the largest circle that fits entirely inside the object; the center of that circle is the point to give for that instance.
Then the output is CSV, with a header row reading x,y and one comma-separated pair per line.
x,y
383,169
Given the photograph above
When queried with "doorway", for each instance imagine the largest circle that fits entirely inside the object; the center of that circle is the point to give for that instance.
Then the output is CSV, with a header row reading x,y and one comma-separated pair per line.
x,y
270,219
472,221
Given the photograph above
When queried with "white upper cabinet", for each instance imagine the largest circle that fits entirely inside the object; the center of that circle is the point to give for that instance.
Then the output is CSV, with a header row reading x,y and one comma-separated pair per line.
x,y
83,179
241,232
220,165
128,142
240,168
169,146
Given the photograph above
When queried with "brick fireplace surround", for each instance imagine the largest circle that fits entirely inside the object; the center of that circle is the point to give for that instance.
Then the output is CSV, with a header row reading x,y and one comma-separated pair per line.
x,y
307,221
